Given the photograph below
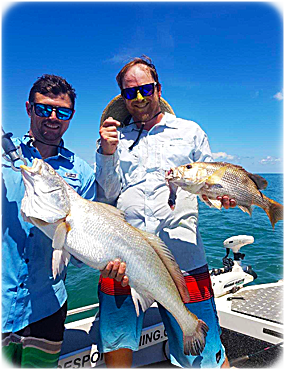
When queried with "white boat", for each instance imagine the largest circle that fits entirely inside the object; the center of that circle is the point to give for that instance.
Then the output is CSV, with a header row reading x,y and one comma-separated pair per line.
x,y
253,314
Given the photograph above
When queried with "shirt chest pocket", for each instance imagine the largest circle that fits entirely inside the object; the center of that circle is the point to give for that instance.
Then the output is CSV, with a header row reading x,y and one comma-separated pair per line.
x,y
176,153
130,162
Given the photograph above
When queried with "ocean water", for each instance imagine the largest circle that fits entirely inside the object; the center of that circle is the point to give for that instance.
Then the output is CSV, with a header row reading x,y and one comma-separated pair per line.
x,y
265,255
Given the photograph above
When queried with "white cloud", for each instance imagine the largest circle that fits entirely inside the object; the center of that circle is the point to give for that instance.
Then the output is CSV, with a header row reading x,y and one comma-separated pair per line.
x,y
278,96
223,155
120,58
125,55
270,160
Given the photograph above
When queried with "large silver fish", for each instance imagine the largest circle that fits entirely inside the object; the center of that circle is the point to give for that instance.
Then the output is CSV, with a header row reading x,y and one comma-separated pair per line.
x,y
97,233
215,179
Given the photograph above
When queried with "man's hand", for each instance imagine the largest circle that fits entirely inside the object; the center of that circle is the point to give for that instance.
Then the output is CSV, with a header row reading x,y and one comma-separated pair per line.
x,y
116,270
225,200
109,136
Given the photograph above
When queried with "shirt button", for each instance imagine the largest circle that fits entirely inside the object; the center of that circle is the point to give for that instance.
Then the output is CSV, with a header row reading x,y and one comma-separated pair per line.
x,y
22,285
31,235
27,260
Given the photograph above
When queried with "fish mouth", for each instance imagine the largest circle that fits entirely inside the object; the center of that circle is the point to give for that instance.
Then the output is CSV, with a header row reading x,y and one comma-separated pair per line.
x,y
171,175
36,168
26,168
30,169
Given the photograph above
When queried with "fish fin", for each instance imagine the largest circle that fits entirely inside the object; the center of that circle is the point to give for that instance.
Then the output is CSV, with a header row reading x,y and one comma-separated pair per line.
x,y
145,302
211,202
246,209
45,227
215,203
167,258
205,201
259,181
194,344
112,209
216,176
60,259
274,210
60,235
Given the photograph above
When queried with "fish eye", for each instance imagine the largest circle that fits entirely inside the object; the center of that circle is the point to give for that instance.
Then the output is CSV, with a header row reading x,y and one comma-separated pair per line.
x,y
49,169
188,166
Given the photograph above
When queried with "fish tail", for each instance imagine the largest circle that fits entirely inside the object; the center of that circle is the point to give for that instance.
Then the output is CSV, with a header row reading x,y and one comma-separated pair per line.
x,y
195,342
274,210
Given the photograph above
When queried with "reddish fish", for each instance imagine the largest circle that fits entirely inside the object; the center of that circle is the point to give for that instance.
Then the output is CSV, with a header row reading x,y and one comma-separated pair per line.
x,y
215,179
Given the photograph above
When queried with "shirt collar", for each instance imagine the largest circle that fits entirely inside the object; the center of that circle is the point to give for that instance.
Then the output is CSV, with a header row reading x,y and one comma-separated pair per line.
x,y
62,151
168,120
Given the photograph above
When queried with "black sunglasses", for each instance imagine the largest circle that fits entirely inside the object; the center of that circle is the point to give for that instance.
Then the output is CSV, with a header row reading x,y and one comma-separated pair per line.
x,y
45,110
145,90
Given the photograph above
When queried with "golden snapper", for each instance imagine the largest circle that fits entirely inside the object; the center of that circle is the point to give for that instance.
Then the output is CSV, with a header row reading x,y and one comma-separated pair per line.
x,y
97,233
215,179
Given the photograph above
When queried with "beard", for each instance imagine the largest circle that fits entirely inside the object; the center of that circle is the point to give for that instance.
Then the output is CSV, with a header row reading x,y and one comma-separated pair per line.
x,y
47,131
144,110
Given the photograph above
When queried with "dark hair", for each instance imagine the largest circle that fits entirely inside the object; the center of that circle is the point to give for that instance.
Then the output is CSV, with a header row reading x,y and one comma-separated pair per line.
x,y
145,60
52,85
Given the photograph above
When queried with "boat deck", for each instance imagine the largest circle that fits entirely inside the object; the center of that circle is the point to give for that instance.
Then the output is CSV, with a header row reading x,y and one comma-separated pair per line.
x,y
263,303
255,311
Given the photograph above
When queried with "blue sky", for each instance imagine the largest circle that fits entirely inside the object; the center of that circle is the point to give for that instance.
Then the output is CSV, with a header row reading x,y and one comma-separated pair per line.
x,y
220,64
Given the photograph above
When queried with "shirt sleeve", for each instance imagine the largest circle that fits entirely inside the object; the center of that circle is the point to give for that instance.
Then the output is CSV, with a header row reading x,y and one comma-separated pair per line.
x,y
108,177
203,152
88,188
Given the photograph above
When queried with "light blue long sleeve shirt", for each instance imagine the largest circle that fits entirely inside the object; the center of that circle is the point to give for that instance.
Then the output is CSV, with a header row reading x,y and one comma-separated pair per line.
x,y
135,181
29,292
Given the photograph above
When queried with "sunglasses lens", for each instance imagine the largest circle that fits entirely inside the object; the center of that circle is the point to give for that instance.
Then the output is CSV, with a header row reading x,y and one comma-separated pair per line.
x,y
42,110
130,93
64,113
147,90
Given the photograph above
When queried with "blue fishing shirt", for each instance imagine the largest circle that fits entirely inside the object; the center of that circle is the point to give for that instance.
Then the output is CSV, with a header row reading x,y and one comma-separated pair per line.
x,y
29,291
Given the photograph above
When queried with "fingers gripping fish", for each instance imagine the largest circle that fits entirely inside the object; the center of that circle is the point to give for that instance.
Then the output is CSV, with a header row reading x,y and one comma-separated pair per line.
x,y
97,233
215,179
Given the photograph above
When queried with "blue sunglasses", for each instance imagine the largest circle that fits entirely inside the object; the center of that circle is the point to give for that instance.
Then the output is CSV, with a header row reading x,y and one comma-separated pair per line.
x,y
130,93
45,110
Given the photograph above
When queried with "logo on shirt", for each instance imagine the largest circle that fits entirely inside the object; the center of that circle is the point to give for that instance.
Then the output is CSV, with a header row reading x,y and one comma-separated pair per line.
x,y
71,175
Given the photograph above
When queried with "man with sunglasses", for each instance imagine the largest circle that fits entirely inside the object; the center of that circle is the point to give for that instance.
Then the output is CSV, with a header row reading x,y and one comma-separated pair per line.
x,y
131,161
34,304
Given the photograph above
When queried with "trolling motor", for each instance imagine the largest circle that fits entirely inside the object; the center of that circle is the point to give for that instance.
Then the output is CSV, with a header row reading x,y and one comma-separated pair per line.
x,y
11,152
233,275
